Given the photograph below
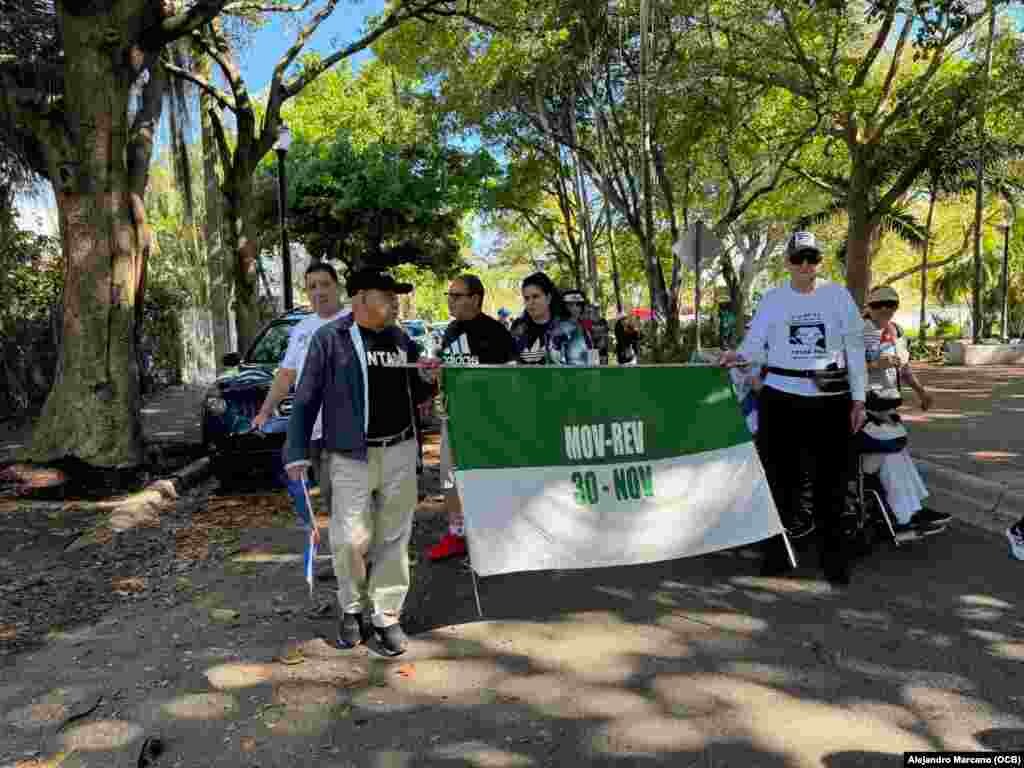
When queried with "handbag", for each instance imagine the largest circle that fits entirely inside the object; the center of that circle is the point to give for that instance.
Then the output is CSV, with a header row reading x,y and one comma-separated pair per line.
x,y
832,379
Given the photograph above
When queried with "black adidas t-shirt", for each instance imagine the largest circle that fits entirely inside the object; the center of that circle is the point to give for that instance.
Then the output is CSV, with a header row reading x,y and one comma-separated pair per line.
x,y
480,341
389,386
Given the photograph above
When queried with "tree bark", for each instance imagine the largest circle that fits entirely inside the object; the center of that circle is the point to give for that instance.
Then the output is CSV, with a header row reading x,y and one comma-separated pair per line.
x,y
860,235
216,264
99,177
241,242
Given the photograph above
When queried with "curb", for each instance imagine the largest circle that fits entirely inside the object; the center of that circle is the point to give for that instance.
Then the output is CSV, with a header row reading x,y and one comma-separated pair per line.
x,y
987,504
191,475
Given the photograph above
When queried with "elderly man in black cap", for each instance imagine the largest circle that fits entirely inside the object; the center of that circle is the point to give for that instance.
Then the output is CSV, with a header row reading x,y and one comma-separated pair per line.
x,y
357,370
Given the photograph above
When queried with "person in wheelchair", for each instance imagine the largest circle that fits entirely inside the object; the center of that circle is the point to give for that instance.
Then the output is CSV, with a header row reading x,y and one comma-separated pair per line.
x,y
882,442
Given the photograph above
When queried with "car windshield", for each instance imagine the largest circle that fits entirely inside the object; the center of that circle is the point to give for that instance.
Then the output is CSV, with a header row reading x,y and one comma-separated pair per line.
x,y
269,348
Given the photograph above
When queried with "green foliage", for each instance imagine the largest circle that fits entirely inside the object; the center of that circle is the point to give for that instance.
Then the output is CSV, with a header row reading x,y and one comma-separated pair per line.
x,y
386,204
31,281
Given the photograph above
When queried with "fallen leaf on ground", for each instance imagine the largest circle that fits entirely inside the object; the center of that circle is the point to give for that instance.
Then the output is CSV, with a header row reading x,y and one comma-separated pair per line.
x,y
8,631
124,585
292,656
226,615
51,762
248,744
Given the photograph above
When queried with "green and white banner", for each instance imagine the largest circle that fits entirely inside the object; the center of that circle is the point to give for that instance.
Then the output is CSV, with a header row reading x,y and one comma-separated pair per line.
x,y
590,467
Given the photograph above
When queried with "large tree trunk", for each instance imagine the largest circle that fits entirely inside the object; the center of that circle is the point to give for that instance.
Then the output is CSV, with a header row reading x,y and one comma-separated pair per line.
x,y
860,238
216,263
241,242
91,412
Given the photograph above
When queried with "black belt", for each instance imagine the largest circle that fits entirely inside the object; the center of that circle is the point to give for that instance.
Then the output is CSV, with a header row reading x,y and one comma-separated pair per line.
x,y
796,373
387,442
831,381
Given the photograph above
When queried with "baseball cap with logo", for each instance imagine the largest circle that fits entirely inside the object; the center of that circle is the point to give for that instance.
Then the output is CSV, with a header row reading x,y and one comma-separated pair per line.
x,y
370,279
802,241
883,293
572,296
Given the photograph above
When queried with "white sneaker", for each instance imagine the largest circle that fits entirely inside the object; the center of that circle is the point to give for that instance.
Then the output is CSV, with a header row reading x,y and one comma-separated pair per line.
x,y
1016,536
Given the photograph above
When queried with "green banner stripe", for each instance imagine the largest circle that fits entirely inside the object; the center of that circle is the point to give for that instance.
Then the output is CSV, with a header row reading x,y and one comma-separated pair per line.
x,y
549,416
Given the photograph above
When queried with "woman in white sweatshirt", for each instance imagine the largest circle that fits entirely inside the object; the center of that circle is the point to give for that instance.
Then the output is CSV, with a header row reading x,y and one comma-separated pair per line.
x,y
809,336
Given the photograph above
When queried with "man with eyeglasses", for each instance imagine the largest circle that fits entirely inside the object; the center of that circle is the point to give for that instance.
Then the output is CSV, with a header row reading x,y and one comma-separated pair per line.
x,y
472,338
810,336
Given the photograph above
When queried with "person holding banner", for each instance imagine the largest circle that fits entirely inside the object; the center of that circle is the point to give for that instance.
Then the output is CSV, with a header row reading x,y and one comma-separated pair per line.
x,y
472,338
358,370
810,334
546,333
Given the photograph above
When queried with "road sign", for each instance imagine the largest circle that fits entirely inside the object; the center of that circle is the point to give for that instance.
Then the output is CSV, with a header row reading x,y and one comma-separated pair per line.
x,y
686,246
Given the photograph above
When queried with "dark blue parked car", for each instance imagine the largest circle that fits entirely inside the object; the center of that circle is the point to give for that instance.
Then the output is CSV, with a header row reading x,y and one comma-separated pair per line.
x,y
235,399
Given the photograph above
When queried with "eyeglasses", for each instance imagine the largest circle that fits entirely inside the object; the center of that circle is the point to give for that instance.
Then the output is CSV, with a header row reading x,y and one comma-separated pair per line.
x,y
884,304
811,257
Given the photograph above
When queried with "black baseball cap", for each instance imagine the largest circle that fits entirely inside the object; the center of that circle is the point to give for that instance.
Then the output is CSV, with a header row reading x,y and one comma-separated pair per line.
x,y
572,296
370,279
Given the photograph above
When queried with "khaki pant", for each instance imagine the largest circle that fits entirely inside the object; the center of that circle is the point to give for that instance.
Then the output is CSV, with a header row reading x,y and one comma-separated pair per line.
x,y
372,505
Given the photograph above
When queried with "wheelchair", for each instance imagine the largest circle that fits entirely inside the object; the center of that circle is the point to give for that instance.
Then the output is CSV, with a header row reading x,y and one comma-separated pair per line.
x,y
867,515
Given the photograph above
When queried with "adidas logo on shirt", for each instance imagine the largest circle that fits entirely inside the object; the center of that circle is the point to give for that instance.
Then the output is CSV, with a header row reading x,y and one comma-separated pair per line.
x,y
534,354
458,352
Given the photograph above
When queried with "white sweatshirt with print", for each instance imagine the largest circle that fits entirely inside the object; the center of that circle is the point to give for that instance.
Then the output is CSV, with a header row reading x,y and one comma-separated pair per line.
x,y
807,332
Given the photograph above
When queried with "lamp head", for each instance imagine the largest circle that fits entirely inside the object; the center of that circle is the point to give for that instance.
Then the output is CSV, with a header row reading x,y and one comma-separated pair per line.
x,y
284,139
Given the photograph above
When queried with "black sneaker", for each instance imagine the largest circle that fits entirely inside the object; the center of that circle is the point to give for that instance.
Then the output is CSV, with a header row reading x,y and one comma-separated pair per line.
x,y
916,528
925,516
392,639
350,630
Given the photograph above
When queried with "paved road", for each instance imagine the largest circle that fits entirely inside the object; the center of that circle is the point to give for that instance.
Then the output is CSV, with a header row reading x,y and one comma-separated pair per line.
x,y
977,423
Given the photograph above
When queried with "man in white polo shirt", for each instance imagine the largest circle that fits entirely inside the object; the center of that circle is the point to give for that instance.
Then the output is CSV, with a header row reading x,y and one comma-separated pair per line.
x,y
325,298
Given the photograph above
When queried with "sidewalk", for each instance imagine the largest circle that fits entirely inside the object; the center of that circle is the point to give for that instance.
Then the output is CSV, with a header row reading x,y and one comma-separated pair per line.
x,y
171,417
970,446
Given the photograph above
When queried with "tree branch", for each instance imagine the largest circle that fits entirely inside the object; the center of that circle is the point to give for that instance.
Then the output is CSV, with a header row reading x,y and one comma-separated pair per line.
x,y
894,65
179,25
798,50
212,90
255,7
876,47
142,134
223,148
933,264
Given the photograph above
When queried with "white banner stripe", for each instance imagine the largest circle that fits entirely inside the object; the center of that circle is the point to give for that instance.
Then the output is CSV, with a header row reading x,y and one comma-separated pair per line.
x,y
644,511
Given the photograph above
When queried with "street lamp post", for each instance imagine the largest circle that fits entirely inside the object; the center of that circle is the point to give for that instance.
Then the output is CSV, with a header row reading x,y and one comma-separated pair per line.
x,y
1006,226
284,141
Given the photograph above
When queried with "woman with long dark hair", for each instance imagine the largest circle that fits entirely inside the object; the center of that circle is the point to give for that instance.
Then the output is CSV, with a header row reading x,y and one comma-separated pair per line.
x,y
545,333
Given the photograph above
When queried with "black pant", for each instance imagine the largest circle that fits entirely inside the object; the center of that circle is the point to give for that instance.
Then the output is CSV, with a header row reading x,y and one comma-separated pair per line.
x,y
805,446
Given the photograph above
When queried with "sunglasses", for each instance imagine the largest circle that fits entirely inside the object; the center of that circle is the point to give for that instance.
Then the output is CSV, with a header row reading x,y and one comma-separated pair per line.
x,y
884,304
810,257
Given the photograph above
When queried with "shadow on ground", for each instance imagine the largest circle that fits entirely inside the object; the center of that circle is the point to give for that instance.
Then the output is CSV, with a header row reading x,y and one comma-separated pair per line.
x,y
696,662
